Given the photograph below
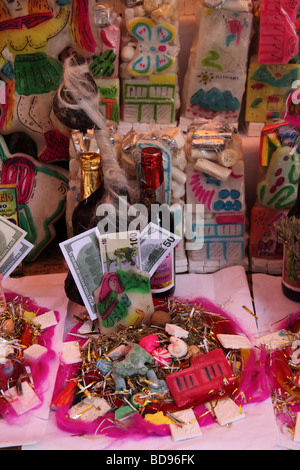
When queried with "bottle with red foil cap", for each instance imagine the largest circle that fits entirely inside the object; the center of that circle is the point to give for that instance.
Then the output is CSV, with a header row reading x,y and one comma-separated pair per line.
x,y
152,195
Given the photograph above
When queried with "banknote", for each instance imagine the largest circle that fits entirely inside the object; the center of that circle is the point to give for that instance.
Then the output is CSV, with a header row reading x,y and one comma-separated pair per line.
x,y
155,245
84,260
120,250
15,258
10,237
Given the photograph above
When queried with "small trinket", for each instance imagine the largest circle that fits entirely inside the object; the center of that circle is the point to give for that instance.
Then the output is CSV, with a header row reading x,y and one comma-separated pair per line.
x,y
160,318
123,412
89,409
8,326
104,365
149,343
175,330
234,341
34,352
162,357
185,425
156,385
120,383
134,362
137,400
26,401
177,348
157,418
225,410
208,374
118,352
193,350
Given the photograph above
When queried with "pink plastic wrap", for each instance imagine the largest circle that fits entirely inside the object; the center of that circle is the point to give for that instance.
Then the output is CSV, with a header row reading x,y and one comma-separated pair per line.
x,y
278,39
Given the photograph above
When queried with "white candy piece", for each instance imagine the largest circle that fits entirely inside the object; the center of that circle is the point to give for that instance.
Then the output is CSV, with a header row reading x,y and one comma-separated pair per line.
x,y
175,330
189,429
225,411
201,153
177,135
45,320
234,341
71,352
213,169
179,159
139,11
34,352
118,352
24,402
178,175
178,190
127,53
89,409
228,157
177,348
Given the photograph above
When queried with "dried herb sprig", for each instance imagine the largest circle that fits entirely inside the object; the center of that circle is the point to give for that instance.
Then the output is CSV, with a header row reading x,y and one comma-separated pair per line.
x,y
288,233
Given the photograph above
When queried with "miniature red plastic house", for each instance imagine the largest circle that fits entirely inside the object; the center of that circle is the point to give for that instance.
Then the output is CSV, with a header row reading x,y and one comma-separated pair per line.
x,y
208,377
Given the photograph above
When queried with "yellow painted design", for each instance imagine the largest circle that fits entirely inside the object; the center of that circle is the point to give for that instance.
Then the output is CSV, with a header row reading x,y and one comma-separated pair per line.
x,y
163,79
31,40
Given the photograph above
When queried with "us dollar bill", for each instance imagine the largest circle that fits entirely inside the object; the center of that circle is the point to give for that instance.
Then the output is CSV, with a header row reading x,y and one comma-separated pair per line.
x,y
84,261
10,237
15,258
155,245
120,250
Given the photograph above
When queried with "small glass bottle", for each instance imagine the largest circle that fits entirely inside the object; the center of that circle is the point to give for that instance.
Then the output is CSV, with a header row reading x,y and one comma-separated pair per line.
x,y
152,191
291,263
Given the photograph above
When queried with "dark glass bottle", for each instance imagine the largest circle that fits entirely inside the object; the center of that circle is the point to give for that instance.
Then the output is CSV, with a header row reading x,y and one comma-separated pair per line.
x,y
152,193
93,194
91,191
291,265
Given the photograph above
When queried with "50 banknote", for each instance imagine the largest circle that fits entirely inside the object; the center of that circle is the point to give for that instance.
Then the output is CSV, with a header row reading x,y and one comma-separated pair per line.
x,y
89,255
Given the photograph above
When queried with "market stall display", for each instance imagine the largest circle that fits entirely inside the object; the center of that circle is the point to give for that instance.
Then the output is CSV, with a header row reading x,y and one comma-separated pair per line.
x,y
150,338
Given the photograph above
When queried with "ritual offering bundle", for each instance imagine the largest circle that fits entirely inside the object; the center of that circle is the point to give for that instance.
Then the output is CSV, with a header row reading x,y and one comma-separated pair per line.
x,y
190,367
26,354
281,349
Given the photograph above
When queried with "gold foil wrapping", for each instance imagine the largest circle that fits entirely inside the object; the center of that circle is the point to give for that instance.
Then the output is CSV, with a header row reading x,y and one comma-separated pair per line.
x,y
91,174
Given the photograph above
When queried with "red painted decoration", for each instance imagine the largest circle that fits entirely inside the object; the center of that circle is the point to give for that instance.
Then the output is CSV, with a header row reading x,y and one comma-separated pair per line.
x,y
278,41
208,377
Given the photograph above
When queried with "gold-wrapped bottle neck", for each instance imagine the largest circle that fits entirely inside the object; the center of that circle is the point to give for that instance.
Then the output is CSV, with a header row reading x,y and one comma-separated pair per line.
x,y
90,161
91,174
